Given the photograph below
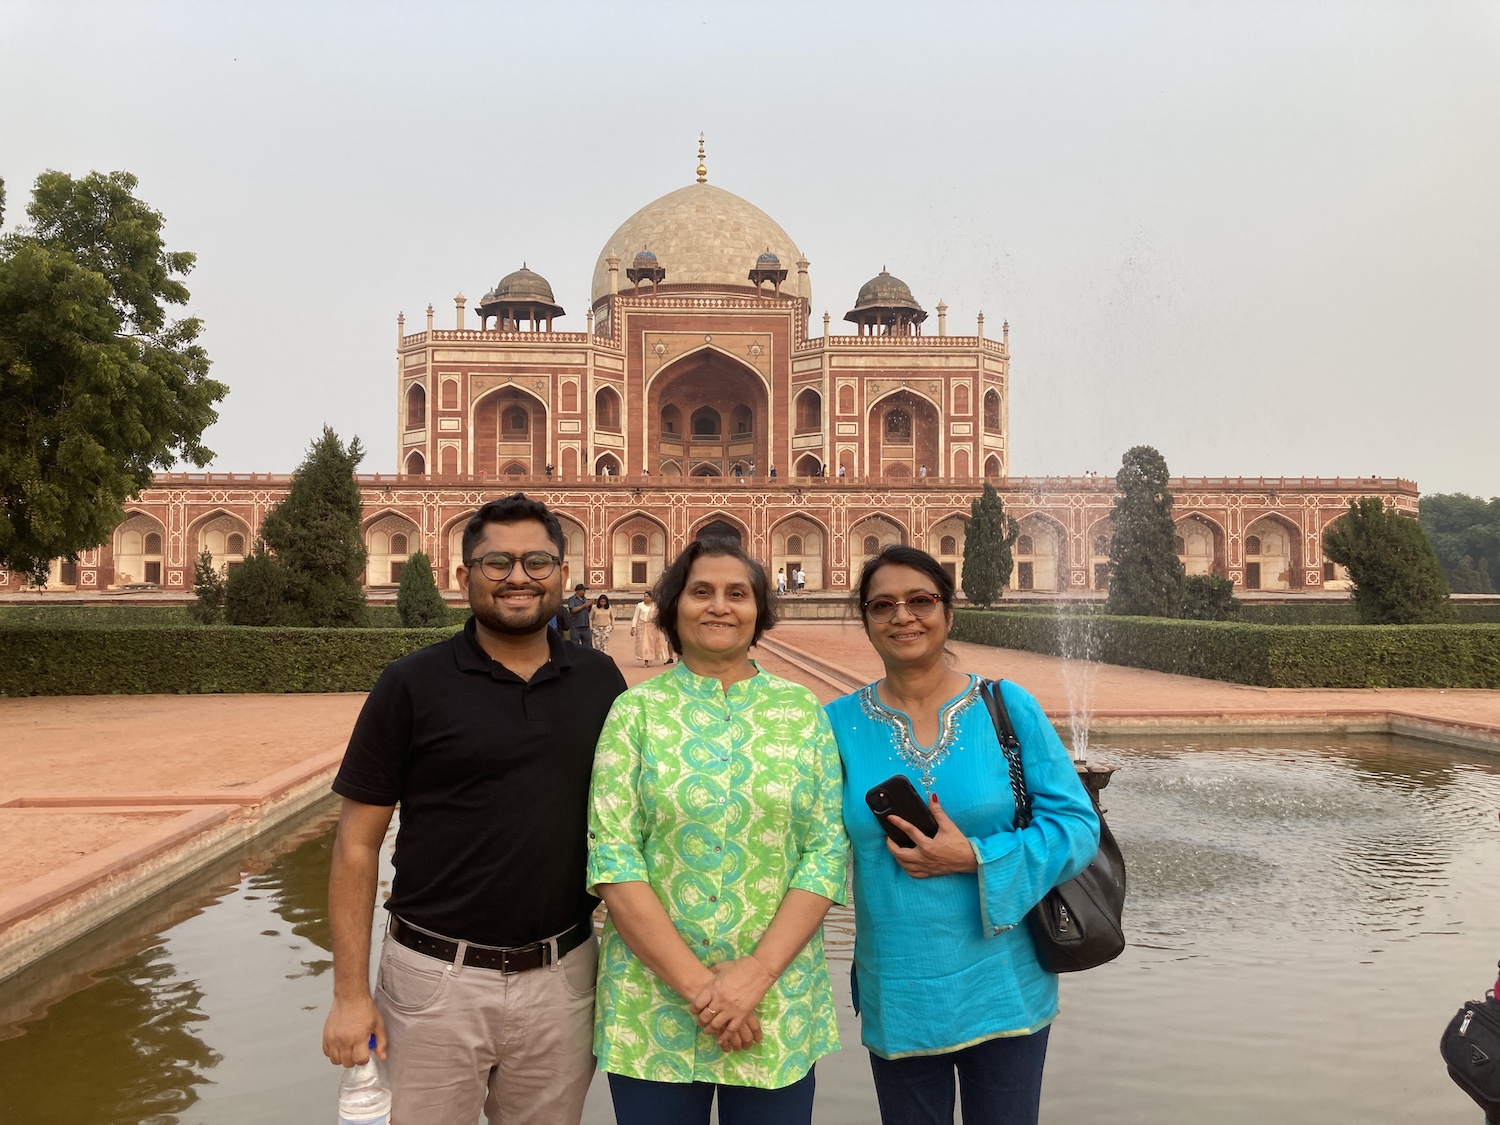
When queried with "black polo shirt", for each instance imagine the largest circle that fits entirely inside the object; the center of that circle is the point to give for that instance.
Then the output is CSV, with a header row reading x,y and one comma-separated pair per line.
x,y
492,776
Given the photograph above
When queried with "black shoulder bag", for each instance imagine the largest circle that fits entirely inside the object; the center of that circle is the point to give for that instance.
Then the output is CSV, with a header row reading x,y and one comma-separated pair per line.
x,y
1077,924
1471,1048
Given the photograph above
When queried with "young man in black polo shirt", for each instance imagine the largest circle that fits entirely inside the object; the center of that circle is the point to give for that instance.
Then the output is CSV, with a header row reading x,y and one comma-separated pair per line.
x,y
486,742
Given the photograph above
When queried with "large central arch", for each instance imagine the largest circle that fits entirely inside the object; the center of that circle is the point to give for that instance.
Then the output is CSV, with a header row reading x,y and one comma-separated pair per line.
x,y
708,410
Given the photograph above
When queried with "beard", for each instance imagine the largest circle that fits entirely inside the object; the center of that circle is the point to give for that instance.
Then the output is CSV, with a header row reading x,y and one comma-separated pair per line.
x,y
515,622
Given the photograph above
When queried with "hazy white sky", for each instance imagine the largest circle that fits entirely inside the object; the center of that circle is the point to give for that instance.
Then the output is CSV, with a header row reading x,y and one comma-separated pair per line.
x,y
1263,237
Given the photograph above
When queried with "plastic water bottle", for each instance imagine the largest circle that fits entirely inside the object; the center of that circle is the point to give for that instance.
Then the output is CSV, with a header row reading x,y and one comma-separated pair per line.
x,y
365,1093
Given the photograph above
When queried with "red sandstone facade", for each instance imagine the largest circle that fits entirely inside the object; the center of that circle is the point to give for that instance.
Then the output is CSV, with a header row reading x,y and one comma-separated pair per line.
x,y
697,393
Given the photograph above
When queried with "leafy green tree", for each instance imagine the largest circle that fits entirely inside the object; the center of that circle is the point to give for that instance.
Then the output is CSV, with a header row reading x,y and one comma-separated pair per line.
x,y
256,590
418,601
315,535
1462,527
987,543
209,585
1396,576
99,385
1207,597
1145,574
1466,578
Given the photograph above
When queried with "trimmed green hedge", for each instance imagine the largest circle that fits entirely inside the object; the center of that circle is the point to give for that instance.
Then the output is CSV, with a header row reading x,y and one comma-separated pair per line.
x,y
1314,613
156,616
1317,656
82,660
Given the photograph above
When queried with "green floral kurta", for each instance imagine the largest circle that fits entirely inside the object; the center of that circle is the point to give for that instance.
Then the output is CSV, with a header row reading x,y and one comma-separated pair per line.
x,y
722,802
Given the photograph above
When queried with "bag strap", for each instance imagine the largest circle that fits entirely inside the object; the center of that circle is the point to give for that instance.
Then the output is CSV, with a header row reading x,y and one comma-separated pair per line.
x,y
1011,746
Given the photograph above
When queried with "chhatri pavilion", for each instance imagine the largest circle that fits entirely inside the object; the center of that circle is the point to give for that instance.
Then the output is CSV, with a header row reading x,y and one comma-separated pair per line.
x,y
697,391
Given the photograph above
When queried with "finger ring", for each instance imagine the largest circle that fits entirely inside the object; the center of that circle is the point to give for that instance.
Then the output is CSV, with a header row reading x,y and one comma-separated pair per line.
x,y
713,1011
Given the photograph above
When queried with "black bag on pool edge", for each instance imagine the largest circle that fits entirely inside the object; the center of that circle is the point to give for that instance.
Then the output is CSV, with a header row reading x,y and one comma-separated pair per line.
x,y
1471,1048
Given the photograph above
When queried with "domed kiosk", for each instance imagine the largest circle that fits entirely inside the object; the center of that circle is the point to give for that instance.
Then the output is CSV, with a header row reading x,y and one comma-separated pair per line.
x,y
885,307
519,296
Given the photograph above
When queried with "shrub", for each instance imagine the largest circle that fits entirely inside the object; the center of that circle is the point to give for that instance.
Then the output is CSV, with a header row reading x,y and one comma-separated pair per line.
x,y
1207,597
1396,576
126,661
418,601
208,584
1315,656
256,590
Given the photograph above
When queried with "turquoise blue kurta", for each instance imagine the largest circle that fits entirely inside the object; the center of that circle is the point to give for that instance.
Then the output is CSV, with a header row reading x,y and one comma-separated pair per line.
x,y
944,963
723,802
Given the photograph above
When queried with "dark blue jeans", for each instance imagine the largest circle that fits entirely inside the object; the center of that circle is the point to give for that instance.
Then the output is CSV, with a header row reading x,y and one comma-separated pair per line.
x,y
1000,1081
638,1102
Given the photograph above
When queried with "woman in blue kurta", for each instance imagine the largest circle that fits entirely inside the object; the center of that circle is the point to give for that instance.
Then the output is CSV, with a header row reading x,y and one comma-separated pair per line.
x,y
946,975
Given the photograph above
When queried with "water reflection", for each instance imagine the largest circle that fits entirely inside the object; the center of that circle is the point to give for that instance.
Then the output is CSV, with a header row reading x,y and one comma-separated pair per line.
x,y
1286,902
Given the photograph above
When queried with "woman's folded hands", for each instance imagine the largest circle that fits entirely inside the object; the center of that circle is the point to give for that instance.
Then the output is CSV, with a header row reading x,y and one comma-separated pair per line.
x,y
725,1006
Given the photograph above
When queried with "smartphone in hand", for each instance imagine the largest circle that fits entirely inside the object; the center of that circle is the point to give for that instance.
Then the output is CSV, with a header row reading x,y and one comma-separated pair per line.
x,y
898,795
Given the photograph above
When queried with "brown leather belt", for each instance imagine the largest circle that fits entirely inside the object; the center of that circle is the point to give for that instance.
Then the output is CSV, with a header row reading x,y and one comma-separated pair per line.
x,y
515,960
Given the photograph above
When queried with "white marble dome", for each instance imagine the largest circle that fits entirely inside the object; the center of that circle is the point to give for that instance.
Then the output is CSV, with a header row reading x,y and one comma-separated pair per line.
x,y
701,235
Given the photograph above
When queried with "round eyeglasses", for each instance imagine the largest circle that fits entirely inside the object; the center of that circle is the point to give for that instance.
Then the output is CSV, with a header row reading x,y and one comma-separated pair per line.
x,y
497,565
884,609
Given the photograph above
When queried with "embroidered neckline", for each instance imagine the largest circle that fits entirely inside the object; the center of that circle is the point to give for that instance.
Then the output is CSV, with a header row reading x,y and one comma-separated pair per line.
x,y
927,759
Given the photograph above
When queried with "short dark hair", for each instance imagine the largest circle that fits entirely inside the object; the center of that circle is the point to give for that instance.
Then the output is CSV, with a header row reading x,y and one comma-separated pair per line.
x,y
673,581
899,555
602,601
515,508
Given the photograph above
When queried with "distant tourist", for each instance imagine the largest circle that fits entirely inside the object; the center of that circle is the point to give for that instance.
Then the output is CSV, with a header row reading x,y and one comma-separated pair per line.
x,y
781,580
773,472
725,995
602,622
580,632
485,741
921,472
841,470
801,579
548,471
945,970
650,645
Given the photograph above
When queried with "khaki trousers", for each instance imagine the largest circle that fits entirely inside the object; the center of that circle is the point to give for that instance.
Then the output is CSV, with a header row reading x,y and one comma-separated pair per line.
x,y
520,1045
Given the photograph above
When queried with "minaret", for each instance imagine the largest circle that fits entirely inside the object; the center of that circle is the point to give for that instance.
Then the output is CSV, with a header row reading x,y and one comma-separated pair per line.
x,y
942,311
458,307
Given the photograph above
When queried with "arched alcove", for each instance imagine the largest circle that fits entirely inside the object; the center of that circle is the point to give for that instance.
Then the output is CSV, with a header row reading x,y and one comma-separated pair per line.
x,y
390,539
1041,556
638,549
510,425
416,406
724,406
809,411
138,551
799,542
607,409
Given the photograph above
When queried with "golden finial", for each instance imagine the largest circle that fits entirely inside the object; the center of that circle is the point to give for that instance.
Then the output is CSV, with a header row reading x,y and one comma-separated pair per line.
x,y
702,167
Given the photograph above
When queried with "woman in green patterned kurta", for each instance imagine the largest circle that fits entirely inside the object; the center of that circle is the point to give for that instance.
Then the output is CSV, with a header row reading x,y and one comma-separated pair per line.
x,y
716,842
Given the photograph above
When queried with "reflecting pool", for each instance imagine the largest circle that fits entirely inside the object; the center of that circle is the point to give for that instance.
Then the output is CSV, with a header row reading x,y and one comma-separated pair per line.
x,y
1303,921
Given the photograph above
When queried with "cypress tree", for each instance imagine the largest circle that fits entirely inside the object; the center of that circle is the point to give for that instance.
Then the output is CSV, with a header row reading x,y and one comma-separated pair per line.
x,y
1396,575
987,556
315,535
208,584
1145,575
418,601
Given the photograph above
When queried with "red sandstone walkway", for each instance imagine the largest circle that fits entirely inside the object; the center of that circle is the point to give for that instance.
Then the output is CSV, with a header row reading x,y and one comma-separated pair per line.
x,y
1120,689
105,799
